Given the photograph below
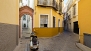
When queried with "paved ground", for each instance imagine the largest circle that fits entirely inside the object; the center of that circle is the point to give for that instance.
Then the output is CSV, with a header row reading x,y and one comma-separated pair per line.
x,y
26,32
62,42
22,45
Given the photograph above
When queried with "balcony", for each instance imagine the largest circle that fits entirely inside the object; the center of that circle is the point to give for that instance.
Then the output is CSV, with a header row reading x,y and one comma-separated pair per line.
x,y
48,3
60,8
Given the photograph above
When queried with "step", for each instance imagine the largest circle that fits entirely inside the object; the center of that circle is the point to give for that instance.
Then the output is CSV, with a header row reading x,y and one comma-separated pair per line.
x,y
83,47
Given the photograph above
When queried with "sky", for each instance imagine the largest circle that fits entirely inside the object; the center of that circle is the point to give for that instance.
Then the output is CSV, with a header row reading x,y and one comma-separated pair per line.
x,y
65,1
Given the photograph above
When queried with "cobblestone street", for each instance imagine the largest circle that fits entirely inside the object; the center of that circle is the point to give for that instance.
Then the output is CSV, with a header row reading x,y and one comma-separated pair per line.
x,y
62,42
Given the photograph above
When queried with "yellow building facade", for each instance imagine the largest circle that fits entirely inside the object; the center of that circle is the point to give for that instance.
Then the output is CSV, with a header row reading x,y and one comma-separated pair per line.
x,y
84,16
49,30
9,22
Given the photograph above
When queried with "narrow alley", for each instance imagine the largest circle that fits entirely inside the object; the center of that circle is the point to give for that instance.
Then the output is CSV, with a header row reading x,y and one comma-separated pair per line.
x,y
62,42
43,24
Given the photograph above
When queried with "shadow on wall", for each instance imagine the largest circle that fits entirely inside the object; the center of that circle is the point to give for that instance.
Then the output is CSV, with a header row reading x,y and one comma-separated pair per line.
x,y
8,36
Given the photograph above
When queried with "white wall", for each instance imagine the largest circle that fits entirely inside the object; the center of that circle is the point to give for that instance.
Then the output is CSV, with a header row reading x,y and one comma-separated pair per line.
x,y
30,24
73,19
24,22
29,3
25,2
21,26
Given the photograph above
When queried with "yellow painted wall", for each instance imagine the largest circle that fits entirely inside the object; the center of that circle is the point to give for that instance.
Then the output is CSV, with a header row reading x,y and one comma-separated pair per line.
x,y
50,31
84,18
9,22
50,12
57,16
8,16
47,32
41,10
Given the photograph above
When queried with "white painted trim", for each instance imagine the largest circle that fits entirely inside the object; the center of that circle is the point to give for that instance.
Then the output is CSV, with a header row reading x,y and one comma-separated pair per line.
x,y
51,19
39,19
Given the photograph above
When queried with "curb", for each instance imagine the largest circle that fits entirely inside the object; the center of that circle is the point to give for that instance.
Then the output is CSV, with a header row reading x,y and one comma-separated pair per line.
x,y
82,47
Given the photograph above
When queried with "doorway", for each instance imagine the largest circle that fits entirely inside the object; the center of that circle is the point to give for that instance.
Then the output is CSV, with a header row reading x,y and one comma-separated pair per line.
x,y
25,10
26,25
76,27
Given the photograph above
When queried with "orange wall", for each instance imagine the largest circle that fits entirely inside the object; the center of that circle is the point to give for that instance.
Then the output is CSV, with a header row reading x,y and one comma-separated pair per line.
x,y
9,11
41,10
57,16
47,32
84,18
9,22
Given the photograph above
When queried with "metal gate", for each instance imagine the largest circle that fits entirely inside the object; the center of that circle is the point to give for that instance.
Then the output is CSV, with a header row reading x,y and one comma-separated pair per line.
x,y
76,27
87,39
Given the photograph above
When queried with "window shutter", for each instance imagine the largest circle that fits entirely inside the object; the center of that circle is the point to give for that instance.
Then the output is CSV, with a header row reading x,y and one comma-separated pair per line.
x,y
44,19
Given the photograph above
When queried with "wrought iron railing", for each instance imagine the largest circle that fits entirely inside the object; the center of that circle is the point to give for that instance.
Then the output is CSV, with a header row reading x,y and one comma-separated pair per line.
x,y
51,3
60,7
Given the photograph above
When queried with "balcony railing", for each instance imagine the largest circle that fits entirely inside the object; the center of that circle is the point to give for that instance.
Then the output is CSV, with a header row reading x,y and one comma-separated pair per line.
x,y
60,8
51,3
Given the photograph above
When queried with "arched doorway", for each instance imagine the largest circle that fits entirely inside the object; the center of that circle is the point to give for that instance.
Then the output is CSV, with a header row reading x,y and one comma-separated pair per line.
x,y
22,11
26,25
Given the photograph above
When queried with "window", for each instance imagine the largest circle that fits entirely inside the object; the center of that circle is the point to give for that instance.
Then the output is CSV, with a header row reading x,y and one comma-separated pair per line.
x,y
43,20
53,21
74,9
24,17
